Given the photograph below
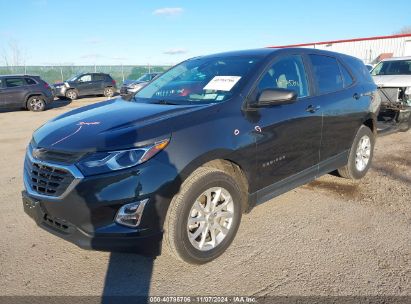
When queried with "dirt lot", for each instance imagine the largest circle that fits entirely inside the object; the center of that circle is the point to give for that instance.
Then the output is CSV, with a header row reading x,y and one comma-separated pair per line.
x,y
330,237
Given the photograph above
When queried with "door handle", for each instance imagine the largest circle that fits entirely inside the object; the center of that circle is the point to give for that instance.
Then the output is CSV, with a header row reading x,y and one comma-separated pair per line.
x,y
356,96
312,109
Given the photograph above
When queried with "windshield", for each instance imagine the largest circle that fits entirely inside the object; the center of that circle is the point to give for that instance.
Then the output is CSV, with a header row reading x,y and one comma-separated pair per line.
x,y
397,67
199,80
145,77
74,78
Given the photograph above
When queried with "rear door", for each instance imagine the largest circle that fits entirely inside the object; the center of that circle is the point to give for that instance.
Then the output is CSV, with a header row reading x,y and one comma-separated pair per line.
x,y
98,83
14,92
289,135
85,85
338,96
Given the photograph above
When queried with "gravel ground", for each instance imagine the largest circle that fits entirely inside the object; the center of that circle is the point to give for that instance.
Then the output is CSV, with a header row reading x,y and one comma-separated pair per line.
x,y
329,237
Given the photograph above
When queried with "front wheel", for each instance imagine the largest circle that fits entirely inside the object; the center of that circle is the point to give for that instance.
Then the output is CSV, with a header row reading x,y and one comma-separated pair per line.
x,y
360,157
71,94
204,216
36,104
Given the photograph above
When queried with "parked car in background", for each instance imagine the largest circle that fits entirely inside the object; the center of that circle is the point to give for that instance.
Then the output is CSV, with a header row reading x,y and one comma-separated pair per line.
x,y
24,91
86,84
132,86
393,78
369,67
197,147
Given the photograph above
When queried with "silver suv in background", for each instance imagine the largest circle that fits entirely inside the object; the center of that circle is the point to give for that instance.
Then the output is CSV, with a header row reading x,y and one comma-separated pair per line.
x,y
86,84
131,86
393,78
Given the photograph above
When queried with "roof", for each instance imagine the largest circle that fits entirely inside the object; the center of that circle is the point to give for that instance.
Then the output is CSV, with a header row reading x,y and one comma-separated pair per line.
x,y
344,40
19,75
252,52
397,58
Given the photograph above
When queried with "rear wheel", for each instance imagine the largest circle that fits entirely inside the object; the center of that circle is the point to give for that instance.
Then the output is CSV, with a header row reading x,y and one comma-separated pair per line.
x,y
72,94
36,104
204,216
108,92
360,157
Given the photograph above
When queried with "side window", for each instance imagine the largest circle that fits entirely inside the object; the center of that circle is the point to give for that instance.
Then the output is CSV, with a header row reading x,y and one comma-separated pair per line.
x,y
327,74
14,82
85,78
98,77
347,79
30,81
286,73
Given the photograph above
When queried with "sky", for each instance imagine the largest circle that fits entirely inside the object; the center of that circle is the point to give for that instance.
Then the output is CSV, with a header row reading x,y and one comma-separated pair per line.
x,y
159,32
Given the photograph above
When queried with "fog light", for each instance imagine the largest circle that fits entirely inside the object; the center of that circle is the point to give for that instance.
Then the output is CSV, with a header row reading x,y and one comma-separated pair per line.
x,y
130,215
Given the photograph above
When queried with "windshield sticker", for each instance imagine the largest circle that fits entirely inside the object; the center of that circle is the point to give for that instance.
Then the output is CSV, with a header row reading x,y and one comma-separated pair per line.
x,y
222,83
220,97
210,96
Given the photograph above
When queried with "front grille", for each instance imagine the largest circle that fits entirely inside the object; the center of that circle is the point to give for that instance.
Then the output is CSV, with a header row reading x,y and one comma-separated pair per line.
x,y
46,179
58,156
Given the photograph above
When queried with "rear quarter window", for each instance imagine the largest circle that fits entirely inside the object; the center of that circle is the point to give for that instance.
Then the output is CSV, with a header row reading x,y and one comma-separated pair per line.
x,y
30,81
347,78
359,69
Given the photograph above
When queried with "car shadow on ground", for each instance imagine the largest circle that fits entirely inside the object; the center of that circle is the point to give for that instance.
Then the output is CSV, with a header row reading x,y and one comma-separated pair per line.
x,y
59,103
127,279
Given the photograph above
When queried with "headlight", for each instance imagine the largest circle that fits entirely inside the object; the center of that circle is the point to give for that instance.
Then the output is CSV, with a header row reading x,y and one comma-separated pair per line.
x,y
102,162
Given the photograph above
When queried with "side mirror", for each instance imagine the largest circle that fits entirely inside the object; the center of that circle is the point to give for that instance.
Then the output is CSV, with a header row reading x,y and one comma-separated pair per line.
x,y
275,97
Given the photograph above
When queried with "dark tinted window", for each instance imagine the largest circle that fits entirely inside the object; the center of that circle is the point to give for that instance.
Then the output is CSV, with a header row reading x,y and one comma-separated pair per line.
x,y
327,73
30,81
14,82
346,76
286,73
99,77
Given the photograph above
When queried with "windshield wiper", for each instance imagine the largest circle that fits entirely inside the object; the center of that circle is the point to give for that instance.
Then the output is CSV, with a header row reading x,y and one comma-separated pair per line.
x,y
166,102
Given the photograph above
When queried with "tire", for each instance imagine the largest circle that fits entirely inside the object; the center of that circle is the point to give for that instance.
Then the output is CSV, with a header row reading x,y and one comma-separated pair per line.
x,y
191,202
361,154
71,94
36,104
108,92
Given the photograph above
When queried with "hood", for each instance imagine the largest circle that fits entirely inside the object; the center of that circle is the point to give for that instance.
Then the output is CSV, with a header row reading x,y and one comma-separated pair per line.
x,y
113,124
392,80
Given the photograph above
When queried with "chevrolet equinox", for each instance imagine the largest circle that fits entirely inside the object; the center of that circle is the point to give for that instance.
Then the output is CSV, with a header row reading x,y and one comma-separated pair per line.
x,y
182,160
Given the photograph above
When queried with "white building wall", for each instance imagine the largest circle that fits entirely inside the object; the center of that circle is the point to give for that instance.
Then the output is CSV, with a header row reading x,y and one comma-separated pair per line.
x,y
369,50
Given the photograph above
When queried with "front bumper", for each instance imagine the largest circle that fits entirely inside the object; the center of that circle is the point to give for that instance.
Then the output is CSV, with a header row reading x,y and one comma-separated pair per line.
x,y
84,215
60,91
114,239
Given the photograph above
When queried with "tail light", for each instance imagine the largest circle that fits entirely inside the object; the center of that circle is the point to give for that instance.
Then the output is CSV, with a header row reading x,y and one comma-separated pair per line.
x,y
46,85
114,82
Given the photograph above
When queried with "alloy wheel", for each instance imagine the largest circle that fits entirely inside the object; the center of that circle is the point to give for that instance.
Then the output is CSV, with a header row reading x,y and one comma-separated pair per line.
x,y
36,104
363,153
210,218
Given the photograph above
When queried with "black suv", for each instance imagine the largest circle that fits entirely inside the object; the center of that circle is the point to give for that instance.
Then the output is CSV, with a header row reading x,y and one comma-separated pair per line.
x,y
86,84
24,91
198,146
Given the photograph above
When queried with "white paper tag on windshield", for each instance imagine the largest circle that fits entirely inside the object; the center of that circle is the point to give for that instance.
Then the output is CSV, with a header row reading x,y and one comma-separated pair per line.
x,y
222,83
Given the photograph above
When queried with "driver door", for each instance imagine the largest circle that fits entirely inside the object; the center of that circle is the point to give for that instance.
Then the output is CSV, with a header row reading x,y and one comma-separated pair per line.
x,y
288,135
